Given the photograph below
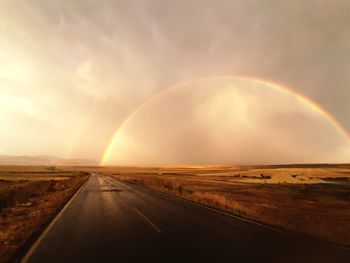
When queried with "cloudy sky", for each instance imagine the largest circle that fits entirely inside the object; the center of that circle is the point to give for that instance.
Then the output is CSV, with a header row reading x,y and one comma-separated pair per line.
x,y
72,71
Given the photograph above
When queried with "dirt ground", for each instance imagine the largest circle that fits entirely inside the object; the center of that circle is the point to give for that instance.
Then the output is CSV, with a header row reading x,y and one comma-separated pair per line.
x,y
316,204
311,200
26,205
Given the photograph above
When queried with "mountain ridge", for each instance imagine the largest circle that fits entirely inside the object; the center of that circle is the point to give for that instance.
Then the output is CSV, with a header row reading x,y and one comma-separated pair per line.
x,y
44,160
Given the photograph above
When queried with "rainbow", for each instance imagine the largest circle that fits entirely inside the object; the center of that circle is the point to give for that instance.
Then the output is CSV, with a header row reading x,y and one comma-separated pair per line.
x,y
288,91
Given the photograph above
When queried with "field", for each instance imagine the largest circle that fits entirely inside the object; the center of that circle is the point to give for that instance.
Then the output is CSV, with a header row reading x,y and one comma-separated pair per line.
x,y
29,197
312,200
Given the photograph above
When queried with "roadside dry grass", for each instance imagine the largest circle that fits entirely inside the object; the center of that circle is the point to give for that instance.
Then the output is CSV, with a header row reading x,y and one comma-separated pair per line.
x,y
321,210
26,205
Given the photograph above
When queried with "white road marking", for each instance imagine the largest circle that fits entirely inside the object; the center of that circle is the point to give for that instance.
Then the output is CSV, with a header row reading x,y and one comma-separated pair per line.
x,y
36,244
209,208
148,220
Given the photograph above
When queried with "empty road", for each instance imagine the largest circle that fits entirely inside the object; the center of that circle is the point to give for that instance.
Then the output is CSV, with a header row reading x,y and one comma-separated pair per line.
x,y
111,221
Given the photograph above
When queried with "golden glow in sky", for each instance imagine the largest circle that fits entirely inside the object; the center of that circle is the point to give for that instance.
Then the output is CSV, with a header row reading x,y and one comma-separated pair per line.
x,y
228,120
72,73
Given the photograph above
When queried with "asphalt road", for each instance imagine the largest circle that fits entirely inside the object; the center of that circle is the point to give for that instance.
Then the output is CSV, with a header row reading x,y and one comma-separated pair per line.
x,y
111,221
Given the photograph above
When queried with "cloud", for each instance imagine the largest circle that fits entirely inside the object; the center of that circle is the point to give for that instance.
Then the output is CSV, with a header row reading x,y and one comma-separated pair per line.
x,y
87,65
226,121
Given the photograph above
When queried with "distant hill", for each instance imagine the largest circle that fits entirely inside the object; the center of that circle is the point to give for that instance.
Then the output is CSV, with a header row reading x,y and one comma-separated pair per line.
x,y
43,160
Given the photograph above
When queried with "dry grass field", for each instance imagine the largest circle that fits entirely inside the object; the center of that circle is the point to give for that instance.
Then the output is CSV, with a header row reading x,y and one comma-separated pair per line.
x,y
29,197
311,200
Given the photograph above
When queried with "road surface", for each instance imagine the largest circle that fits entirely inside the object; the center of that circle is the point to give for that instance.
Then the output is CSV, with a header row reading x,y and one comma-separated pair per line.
x,y
111,221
